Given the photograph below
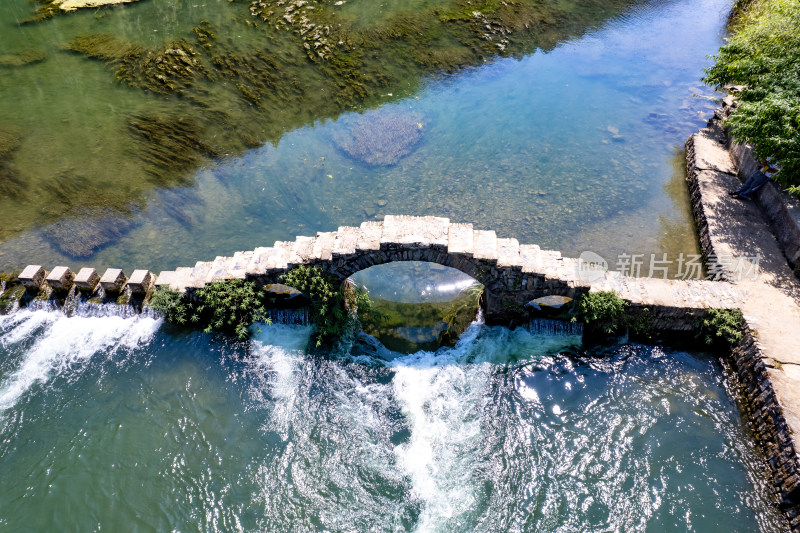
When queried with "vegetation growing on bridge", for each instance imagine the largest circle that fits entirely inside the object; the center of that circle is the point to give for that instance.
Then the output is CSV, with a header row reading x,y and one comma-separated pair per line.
x,y
333,303
230,306
721,327
604,311
763,54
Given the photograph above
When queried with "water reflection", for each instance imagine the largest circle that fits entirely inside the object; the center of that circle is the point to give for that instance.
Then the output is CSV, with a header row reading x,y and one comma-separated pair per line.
x,y
417,305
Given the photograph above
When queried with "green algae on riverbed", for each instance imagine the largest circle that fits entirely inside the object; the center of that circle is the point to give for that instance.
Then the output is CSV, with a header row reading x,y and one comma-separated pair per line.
x,y
11,184
237,74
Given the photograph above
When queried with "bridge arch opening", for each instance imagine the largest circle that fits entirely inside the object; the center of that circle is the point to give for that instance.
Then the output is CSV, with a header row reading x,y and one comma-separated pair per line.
x,y
418,305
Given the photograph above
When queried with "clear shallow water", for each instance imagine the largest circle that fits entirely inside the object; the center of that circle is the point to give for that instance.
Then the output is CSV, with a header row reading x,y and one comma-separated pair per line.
x,y
122,424
119,423
574,149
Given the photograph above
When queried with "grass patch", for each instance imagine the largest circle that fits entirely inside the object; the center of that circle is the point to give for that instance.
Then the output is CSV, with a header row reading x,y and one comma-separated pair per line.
x,y
604,311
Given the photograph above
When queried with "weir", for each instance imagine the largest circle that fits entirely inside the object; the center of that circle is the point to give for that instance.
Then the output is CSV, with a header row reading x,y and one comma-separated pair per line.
x,y
513,274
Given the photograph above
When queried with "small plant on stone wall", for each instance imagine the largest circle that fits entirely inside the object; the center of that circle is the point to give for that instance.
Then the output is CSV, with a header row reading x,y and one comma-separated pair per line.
x,y
722,327
333,303
461,312
642,325
601,310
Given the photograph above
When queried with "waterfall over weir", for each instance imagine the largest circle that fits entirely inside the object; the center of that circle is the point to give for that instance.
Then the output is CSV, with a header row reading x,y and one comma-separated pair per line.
x,y
470,438
76,306
297,317
546,326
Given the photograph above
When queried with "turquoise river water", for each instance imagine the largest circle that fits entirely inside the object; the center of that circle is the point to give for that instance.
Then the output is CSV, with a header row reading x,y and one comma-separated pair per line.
x,y
579,148
110,423
123,425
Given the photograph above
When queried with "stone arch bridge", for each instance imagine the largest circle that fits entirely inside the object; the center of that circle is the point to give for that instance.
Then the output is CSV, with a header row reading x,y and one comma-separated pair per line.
x,y
512,273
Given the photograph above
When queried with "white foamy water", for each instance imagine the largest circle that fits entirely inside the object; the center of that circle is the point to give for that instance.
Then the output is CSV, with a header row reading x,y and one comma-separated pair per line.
x,y
60,342
279,349
443,395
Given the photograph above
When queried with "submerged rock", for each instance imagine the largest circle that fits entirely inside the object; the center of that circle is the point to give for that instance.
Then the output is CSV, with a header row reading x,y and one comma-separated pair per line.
x,y
367,345
71,5
82,234
379,138
50,8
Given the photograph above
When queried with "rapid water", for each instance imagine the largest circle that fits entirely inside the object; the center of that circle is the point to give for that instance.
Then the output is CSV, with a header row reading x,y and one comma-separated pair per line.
x,y
121,423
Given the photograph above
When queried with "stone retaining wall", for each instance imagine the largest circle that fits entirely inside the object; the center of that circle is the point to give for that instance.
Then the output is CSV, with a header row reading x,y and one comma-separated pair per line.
x,y
712,164
769,425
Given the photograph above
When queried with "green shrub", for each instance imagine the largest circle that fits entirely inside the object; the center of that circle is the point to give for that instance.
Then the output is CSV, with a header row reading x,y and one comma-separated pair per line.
x,y
764,55
230,307
173,304
604,310
333,303
721,326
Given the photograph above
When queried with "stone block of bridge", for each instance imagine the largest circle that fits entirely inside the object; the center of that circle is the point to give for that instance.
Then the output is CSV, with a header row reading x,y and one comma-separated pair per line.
x,y
508,253
276,260
217,272
113,280
32,276
256,267
531,257
461,239
323,245
237,266
287,253
303,249
346,240
197,279
165,278
420,231
86,279
60,278
485,245
370,236
182,277
140,282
